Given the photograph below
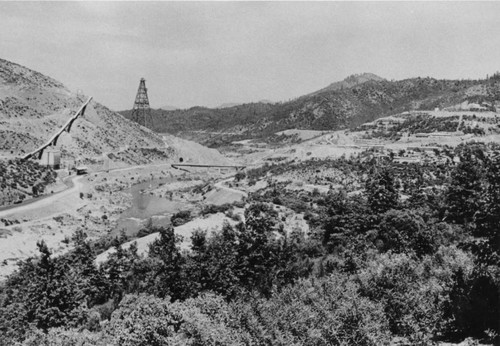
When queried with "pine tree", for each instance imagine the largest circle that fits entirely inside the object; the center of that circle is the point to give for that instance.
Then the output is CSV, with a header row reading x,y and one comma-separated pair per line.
x,y
381,190
464,191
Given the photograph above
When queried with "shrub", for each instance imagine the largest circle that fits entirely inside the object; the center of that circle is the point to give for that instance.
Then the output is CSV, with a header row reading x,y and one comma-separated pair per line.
x,y
240,176
180,218
327,311
414,293
64,337
214,209
148,320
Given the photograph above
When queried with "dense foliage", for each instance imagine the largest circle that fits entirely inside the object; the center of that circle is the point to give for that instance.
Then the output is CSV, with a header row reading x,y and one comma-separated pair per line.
x,y
409,253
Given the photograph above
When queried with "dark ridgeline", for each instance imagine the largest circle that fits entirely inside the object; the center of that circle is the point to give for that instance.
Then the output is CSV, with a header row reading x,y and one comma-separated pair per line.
x,y
342,105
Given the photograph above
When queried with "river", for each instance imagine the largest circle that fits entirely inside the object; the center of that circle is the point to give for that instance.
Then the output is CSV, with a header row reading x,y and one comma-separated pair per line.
x,y
146,205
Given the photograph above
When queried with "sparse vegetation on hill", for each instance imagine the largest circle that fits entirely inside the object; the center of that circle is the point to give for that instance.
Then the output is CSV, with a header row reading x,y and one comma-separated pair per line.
x,y
21,180
328,109
34,106
349,82
138,156
11,73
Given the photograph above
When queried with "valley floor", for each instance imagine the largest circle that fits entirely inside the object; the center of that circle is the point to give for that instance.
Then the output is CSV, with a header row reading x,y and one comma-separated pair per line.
x,y
96,202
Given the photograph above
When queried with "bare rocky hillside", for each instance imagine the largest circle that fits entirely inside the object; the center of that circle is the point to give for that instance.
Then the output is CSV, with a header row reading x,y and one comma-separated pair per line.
x,y
34,106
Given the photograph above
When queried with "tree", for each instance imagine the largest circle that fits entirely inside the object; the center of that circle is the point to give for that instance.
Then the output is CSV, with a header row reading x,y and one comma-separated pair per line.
x,y
47,293
214,262
403,231
487,219
118,270
474,305
253,256
256,250
381,190
260,218
168,280
93,282
464,191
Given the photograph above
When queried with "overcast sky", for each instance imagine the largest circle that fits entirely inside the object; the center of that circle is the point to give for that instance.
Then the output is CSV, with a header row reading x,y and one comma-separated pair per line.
x,y
209,53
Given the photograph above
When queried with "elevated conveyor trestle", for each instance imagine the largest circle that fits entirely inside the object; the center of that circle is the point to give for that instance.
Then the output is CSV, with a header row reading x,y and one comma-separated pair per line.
x,y
53,140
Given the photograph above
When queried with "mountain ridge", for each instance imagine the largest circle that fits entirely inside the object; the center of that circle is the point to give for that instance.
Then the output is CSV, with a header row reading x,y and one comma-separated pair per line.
x,y
330,108
168,108
349,82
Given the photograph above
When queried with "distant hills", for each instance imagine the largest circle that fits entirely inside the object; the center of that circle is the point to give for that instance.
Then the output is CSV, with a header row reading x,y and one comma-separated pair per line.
x,y
234,104
168,108
349,82
228,105
345,104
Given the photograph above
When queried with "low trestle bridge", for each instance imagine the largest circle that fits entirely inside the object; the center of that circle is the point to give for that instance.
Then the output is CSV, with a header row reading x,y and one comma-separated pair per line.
x,y
183,166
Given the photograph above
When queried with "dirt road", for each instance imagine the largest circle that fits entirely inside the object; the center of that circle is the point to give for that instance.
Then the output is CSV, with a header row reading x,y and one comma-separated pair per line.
x,y
60,201
46,206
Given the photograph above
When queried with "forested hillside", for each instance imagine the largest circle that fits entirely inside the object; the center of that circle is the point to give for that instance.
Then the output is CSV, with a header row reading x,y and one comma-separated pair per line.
x,y
328,109
406,253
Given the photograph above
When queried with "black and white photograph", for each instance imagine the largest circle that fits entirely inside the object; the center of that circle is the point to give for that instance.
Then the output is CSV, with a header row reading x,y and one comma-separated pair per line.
x,y
249,173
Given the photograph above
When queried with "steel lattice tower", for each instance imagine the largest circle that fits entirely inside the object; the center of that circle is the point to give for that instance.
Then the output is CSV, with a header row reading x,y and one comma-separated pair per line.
x,y
141,113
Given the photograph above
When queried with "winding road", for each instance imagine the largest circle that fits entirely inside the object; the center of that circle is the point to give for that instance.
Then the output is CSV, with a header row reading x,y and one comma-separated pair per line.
x,y
53,201
60,201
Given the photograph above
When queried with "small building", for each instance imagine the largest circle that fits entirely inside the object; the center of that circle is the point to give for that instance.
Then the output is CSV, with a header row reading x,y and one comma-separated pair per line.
x,y
81,170
52,158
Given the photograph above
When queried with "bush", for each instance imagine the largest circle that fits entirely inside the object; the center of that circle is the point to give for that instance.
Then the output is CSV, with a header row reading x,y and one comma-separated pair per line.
x,y
327,311
214,209
240,176
414,293
143,320
148,320
180,218
64,337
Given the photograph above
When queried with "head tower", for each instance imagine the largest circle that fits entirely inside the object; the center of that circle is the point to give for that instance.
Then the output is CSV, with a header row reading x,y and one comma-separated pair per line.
x,y
141,113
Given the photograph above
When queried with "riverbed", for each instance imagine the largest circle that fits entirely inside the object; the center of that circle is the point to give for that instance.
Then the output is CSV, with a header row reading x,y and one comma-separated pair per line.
x,y
145,205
